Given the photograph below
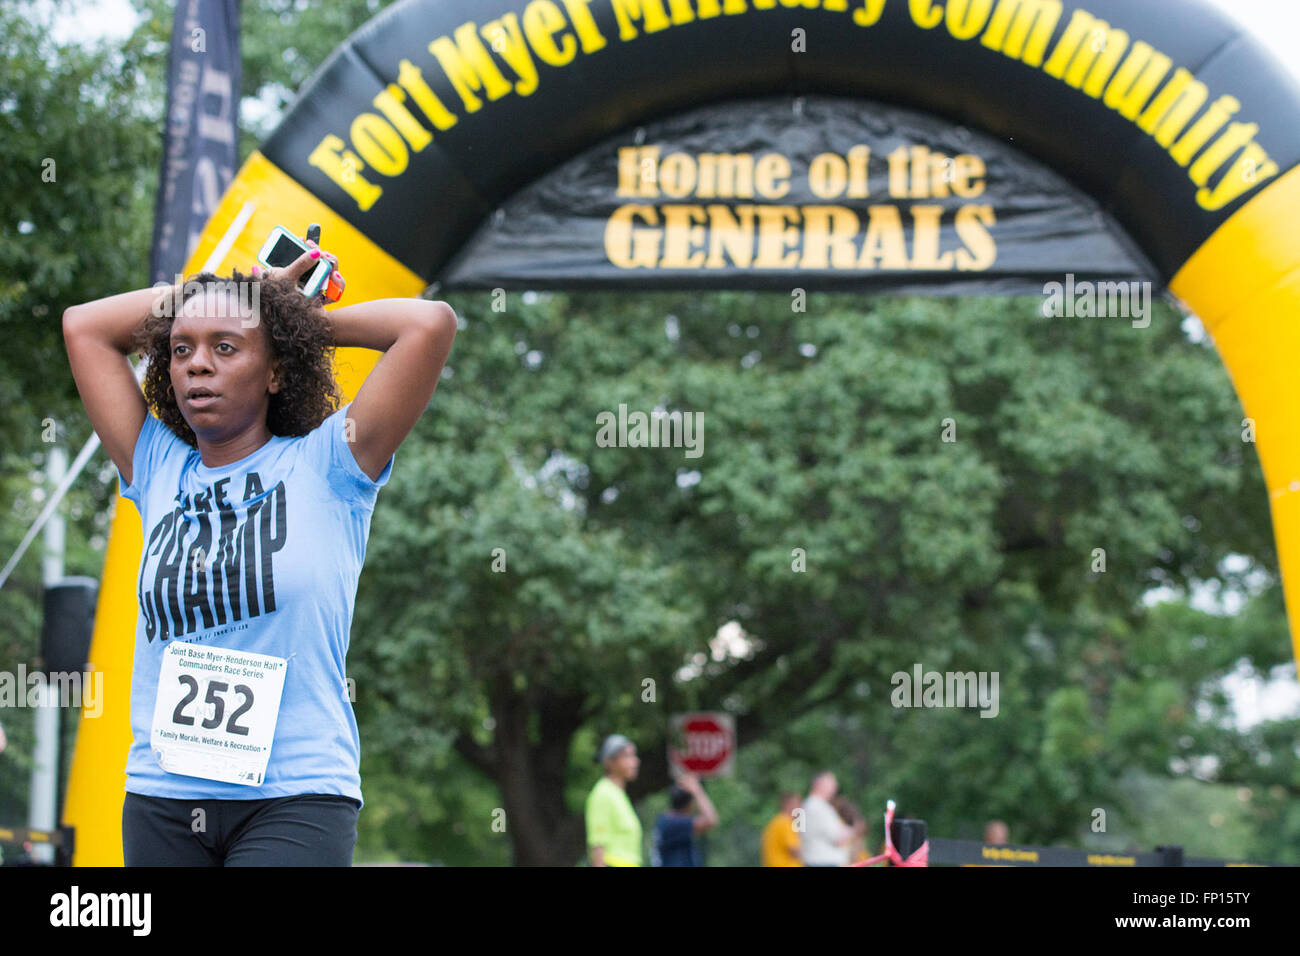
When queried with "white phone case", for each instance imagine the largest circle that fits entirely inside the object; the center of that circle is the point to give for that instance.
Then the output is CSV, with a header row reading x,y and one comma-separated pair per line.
x,y
309,284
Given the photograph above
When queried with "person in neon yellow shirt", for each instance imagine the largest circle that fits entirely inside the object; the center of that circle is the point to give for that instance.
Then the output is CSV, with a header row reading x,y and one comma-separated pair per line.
x,y
613,829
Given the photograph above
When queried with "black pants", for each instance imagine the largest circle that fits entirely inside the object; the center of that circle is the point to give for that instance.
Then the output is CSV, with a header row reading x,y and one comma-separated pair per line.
x,y
306,830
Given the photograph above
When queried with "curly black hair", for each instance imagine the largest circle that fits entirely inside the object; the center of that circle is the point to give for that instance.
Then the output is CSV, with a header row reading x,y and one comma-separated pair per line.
x,y
299,336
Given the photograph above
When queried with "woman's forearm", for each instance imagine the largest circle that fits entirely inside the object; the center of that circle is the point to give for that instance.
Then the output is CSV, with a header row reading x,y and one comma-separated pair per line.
x,y
115,318
378,324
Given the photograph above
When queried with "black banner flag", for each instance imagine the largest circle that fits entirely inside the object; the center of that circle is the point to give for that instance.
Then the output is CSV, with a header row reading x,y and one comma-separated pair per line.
x,y
201,136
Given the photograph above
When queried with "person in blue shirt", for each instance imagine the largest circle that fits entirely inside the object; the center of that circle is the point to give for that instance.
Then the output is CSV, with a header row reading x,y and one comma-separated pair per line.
x,y
690,813
255,492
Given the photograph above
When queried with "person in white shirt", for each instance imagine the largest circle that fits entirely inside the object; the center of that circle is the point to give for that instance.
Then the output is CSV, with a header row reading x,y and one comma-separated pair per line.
x,y
826,839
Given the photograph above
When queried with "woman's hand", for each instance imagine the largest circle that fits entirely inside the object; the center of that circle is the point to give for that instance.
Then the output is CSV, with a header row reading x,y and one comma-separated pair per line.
x,y
301,266
334,259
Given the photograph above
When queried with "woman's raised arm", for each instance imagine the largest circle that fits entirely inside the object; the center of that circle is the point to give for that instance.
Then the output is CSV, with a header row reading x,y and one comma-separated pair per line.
x,y
98,336
415,336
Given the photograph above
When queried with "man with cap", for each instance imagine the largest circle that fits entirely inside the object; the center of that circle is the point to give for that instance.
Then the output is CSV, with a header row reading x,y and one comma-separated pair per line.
x,y
613,829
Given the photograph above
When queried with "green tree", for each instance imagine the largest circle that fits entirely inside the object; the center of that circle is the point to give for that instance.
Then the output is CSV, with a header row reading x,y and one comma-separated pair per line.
x,y
823,432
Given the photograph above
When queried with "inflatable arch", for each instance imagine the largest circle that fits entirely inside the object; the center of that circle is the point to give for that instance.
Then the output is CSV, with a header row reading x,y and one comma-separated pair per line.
x,y
434,113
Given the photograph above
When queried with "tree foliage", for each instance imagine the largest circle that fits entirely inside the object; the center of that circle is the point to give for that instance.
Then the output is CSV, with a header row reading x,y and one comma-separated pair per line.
x,y
823,431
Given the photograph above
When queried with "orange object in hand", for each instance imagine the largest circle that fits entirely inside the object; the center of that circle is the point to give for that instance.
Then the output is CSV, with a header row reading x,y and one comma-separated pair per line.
x,y
333,288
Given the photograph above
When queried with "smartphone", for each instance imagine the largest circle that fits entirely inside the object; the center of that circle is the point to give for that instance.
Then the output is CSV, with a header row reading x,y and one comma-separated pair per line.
x,y
282,247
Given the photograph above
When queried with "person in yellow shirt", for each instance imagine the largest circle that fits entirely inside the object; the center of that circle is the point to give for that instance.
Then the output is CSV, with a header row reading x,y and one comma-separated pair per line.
x,y
780,839
613,828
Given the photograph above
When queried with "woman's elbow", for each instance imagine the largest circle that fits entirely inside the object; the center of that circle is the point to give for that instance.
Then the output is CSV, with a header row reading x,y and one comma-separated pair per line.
x,y
443,314
70,315
441,321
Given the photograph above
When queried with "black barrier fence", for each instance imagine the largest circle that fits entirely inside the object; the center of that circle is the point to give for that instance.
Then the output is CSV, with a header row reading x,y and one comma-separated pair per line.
x,y
908,835
976,853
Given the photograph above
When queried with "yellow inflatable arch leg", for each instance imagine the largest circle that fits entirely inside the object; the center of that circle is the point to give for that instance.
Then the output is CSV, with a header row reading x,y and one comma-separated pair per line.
x,y
1244,285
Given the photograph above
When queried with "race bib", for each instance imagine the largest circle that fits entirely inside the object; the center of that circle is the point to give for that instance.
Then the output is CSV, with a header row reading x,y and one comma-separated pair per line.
x,y
214,716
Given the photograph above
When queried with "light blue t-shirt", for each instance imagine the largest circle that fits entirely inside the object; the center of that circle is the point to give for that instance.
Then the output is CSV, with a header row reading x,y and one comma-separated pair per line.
x,y
261,555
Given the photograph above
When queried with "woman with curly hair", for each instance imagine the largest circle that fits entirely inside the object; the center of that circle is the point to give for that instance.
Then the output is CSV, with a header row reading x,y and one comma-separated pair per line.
x,y
255,491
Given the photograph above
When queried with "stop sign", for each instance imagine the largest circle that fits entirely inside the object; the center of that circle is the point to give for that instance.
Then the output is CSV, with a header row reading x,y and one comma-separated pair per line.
x,y
703,744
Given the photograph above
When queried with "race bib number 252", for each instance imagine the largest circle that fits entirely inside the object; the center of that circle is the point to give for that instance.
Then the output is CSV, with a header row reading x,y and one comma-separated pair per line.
x,y
215,713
